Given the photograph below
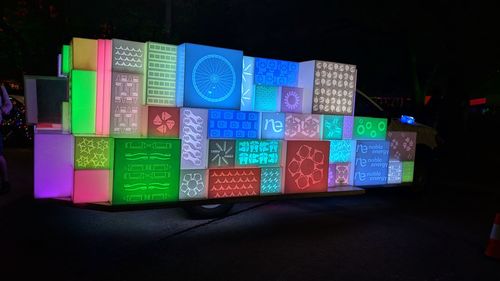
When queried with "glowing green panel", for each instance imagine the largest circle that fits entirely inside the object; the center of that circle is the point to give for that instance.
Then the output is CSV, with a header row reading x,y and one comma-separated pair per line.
x,y
66,123
368,128
408,168
146,170
93,153
258,152
83,99
65,59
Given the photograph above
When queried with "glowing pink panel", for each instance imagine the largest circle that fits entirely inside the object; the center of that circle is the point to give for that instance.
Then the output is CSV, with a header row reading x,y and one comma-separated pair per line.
x,y
103,102
53,165
91,186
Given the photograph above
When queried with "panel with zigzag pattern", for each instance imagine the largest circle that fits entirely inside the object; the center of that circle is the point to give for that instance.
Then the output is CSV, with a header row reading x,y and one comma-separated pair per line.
x,y
233,183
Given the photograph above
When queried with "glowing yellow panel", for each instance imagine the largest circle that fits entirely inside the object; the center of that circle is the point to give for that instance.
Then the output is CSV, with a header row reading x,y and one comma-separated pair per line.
x,y
84,52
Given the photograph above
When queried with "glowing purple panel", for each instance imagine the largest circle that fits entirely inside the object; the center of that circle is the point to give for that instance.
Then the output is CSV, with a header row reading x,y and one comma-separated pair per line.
x,y
53,165
348,125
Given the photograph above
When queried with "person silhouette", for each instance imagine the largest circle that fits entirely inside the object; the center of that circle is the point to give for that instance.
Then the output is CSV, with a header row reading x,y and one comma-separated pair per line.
x,y
5,107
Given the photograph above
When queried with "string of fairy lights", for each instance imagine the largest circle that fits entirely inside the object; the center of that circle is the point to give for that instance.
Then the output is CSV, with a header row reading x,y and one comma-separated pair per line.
x,y
16,121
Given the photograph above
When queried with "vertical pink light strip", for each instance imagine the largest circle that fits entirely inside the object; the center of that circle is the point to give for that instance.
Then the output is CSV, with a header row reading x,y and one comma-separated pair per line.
x,y
107,87
101,55
103,102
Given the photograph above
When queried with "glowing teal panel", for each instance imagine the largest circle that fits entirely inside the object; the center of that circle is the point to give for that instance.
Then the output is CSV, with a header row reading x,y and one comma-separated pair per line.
x,y
270,180
332,127
266,98
341,151
258,153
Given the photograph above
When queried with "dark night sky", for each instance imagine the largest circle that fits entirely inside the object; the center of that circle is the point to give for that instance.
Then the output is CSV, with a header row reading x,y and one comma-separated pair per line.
x,y
452,46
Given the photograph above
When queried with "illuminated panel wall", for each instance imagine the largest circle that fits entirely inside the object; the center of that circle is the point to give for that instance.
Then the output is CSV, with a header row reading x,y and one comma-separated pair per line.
x,y
342,150
306,166
339,174
193,133
128,56
276,72
161,64
292,99
193,184
103,101
408,169
92,186
221,153
302,126
93,153
232,124
334,88
163,122
332,127
272,125
369,128
210,77
371,165
233,182
55,179
83,101
247,86
125,104
403,145
395,173
271,180
84,54
146,170
258,153
65,56
266,98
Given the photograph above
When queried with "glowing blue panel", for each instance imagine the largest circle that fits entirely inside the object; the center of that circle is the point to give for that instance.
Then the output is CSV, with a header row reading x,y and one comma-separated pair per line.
x,y
332,127
341,151
372,161
247,88
270,180
266,98
273,125
232,124
276,72
211,77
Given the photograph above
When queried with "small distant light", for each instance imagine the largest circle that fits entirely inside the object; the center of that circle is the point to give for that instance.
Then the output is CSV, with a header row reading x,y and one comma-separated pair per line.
x,y
407,119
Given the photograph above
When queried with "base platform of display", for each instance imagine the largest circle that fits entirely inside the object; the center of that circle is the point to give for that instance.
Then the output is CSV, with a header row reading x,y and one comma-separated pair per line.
x,y
332,191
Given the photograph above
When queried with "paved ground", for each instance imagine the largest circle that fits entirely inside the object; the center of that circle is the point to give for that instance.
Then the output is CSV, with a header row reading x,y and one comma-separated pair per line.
x,y
384,235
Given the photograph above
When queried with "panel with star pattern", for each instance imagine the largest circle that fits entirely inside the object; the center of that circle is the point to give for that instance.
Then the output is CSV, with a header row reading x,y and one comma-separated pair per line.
x,y
93,153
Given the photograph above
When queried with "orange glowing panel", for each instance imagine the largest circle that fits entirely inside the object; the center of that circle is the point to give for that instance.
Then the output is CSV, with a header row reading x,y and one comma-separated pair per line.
x,y
91,186
233,182
307,166
163,121
84,54
103,102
